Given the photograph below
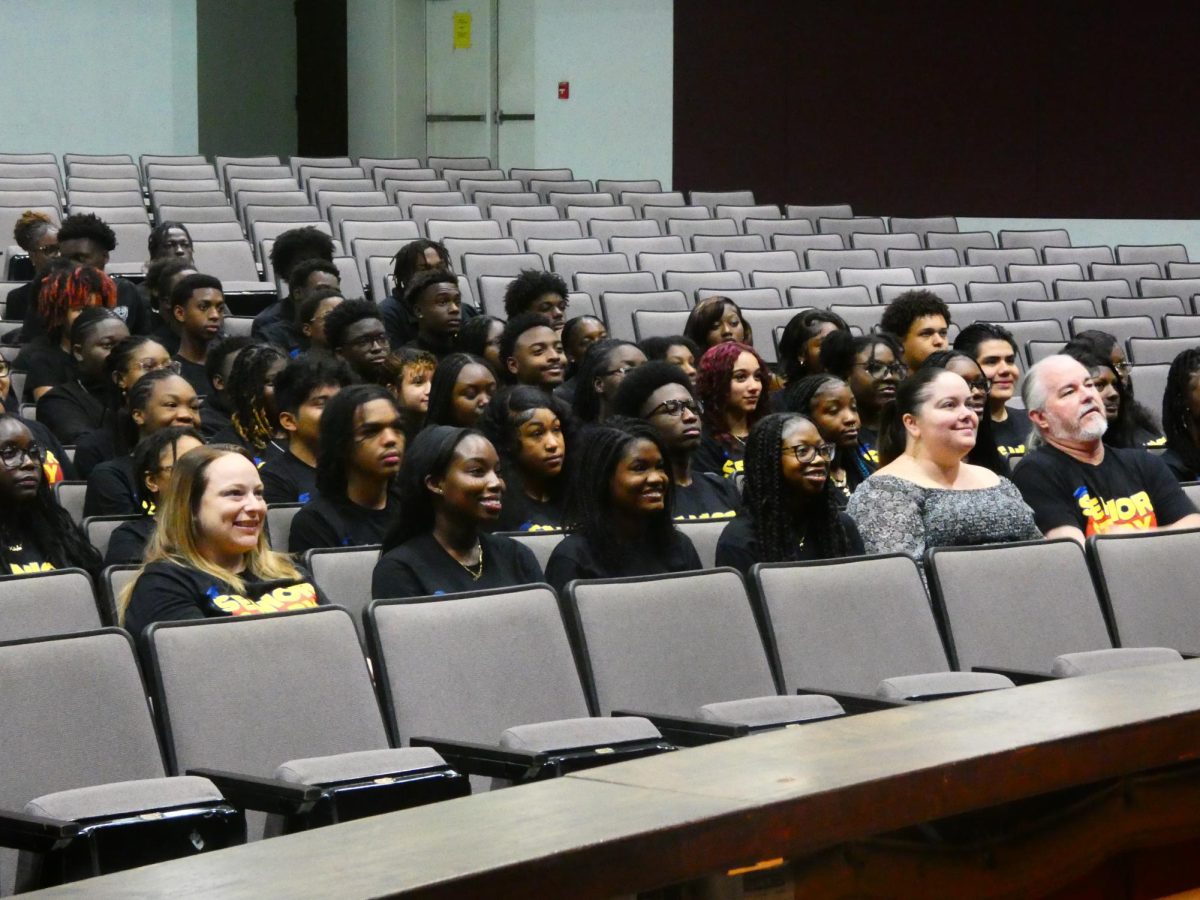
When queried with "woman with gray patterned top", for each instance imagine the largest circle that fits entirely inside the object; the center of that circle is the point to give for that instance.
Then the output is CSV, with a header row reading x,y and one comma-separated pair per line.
x,y
925,495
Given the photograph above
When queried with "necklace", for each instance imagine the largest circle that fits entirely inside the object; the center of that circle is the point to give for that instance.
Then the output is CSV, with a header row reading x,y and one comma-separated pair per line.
x,y
475,569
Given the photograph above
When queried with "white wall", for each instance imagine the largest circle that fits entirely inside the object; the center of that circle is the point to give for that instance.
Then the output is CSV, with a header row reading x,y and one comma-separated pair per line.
x,y
1091,232
81,76
619,57
385,67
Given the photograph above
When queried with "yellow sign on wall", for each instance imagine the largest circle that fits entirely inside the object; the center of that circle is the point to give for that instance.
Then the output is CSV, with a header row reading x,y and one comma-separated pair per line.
x,y
462,31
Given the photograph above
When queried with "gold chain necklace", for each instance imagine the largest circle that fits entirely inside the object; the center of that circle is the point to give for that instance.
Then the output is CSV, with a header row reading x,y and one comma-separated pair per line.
x,y
475,570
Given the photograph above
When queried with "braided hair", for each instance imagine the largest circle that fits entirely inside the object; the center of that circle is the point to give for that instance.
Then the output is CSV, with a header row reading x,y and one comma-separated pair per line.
x,y
800,396
67,287
251,418
779,524
713,383
1176,410
49,526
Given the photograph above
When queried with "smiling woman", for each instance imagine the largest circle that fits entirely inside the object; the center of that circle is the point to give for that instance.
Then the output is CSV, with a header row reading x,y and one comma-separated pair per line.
x,y
451,493
210,556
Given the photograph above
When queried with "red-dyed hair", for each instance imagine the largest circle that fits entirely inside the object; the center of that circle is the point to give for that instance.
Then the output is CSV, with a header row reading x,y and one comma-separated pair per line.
x,y
66,289
712,385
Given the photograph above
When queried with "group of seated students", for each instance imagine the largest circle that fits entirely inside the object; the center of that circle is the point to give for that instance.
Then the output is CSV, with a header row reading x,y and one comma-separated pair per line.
x,y
423,427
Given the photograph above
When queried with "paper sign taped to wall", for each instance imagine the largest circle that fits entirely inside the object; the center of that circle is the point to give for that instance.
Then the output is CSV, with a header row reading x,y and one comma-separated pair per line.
x,y
462,31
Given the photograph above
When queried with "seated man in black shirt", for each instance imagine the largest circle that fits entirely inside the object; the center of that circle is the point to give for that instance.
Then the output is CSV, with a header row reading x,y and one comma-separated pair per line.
x,y
659,393
198,305
276,322
436,302
1076,485
531,352
74,408
543,293
920,321
161,277
37,235
416,256
301,391
355,334
214,418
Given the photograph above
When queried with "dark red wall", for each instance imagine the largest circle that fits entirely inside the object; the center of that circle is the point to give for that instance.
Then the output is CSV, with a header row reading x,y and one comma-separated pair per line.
x,y
1040,108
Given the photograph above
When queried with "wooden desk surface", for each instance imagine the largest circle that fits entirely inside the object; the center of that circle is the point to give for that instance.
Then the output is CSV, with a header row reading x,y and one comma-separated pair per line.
x,y
681,815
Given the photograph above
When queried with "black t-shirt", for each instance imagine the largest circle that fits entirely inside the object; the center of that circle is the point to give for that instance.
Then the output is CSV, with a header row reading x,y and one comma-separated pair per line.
x,y
56,467
274,324
93,448
737,546
709,496
112,489
398,322
130,307
167,591
71,410
288,479
24,558
421,567
195,375
520,512
214,419
574,557
868,447
1012,434
127,544
16,305
720,457
46,365
1128,488
1178,467
325,523
163,333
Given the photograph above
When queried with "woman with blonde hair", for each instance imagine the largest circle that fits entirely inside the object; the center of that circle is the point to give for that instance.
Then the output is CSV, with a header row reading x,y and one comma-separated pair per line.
x,y
210,556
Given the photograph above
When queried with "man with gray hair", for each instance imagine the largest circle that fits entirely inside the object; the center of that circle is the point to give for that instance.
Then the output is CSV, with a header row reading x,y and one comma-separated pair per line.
x,y
1075,485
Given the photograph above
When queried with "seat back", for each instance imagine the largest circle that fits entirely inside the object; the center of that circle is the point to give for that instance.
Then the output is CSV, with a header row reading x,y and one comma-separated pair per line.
x,y
1036,240
1122,328
618,309
922,225
1148,584
1158,350
99,529
343,575
540,543
960,242
467,666
40,604
668,644
704,535
1160,255
1016,605
70,496
847,624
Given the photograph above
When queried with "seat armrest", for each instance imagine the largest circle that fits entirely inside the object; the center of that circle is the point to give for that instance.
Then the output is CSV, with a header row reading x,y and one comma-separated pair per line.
x,y
484,759
685,732
855,704
263,794
37,834
1018,676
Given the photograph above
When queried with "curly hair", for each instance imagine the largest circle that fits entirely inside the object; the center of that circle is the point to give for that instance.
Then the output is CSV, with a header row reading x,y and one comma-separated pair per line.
x,y
910,306
473,336
70,287
779,524
1176,411
707,313
343,316
159,274
839,350
297,245
246,390
713,383
408,257
643,381
88,226
523,290
800,397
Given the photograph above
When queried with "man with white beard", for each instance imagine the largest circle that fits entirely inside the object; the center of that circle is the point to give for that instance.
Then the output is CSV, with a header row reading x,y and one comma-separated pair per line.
x,y
1076,485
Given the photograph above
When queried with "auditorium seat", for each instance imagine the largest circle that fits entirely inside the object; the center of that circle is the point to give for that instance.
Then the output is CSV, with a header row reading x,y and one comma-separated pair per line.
x,y
883,243
73,160
960,242
1160,255
1063,311
132,240
232,260
104,198
222,163
225,690
584,215
1002,258
406,200
783,281
961,276
719,244
1047,275
487,200
1183,270
827,297
568,264
763,322
1020,607
82,749
1181,326
812,213
353,230
823,625
1131,273
54,602
440,229
506,215
544,187
213,231
632,246
438,163
690,229
691,282
829,261
1122,328
1080,256
618,187
741,213
964,314
326,198
456,247
768,228
1149,382
70,495
664,213
648,323
333,162
847,227
800,244
922,225
607,229
1096,291
99,529
865,318
685,651
1183,288
392,187
1035,239
1143,351
78,183
488,678
945,291
1036,330
1154,307
509,265
594,284
618,308
659,263
547,247
189,214
564,200
1036,351
456,177
526,176
712,199
873,278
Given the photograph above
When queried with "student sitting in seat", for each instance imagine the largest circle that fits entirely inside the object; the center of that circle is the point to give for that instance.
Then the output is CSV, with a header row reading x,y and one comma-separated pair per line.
x,y
436,304
529,430
577,335
355,334
310,318
452,495
276,322
732,390
538,292
218,407
532,352
36,534
675,349
76,407
37,235
411,382
660,394
480,336
198,305
161,278
1130,425
254,419
871,365
460,390
828,402
920,321
302,389
995,350
795,513
358,455
210,556
414,257
153,461
1181,416
802,344
715,320
620,507
601,371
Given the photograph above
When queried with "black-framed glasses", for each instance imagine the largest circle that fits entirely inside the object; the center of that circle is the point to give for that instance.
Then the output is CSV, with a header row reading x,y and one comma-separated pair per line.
x,y
367,341
152,365
1123,369
981,384
878,369
676,408
806,453
11,456
622,371
5,370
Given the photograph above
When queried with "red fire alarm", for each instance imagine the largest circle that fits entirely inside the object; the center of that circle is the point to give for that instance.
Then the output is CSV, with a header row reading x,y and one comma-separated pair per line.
x,y
564,90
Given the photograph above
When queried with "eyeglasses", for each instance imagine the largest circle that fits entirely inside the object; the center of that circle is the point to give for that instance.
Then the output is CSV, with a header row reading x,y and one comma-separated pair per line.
x,y
1123,369
152,365
12,456
622,371
676,408
880,370
805,453
981,384
4,369
48,250
368,341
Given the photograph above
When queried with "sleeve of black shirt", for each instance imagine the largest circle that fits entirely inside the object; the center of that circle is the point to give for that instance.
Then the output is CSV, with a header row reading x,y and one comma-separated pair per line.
x,y
62,415
128,297
1051,501
277,488
163,593
528,569
310,529
108,494
125,546
857,548
394,577
1170,502
564,566
733,546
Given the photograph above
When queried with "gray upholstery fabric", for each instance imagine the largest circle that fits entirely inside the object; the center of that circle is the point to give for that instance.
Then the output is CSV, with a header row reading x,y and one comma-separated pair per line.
x,y
1090,662
344,576
468,668
1019,606
124,797
1151,585
774,710
671,644
584,732
906,686
356,766
46,604
846,626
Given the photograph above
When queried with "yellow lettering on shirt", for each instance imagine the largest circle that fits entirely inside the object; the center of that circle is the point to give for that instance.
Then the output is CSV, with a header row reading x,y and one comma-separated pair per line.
x,y
1118,514
1006,452
733,468
30,568
295,596
52,468
701,517
870,455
